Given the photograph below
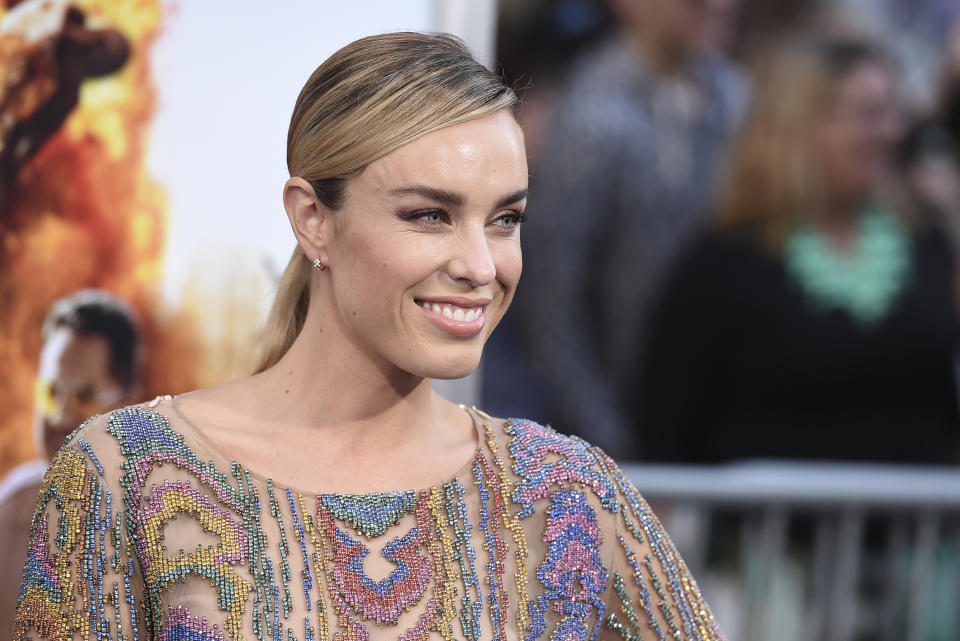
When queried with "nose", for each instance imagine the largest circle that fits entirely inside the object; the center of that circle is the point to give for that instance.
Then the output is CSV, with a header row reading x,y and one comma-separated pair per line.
x,y
472,260
895,127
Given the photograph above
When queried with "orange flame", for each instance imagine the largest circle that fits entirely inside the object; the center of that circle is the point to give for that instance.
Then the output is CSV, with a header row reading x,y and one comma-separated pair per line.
x,y
91,217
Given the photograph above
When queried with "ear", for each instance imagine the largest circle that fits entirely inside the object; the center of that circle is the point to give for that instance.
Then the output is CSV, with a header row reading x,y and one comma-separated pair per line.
x,y
309,218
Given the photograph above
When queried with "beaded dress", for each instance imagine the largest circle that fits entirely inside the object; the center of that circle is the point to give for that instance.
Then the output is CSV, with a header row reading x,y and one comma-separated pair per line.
x,y
144,530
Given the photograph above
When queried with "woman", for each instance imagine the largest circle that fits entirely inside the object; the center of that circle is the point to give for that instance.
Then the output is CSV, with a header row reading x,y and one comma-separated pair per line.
x,y
407,191
817,319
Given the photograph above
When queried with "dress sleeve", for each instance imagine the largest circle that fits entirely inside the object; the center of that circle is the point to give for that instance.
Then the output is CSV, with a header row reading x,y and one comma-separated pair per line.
x,y
650,593
81,578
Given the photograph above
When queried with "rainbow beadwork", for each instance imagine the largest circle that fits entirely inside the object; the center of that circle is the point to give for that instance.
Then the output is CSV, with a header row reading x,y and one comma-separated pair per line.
x,y
138,535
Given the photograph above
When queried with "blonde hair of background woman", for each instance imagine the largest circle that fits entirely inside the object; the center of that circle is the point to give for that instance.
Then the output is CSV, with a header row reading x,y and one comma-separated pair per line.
x,y
368,99
774,176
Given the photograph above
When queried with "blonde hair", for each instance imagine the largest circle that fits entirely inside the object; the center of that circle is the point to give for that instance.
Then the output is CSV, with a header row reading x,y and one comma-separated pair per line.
x,y
774,174
366,100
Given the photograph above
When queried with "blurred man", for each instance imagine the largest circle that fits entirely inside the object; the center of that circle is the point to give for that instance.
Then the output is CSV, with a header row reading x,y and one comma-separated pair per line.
x,y
628,174
89,364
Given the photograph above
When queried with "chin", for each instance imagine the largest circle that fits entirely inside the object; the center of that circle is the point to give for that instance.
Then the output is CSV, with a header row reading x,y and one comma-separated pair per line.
x,y
449,374
449,367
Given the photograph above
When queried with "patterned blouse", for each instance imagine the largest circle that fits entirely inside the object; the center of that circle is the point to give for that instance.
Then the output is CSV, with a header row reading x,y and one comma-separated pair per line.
x,y
144,531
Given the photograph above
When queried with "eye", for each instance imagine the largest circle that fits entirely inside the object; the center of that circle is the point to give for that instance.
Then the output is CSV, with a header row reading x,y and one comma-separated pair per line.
x,y
86,394
430,217
510,220
57,389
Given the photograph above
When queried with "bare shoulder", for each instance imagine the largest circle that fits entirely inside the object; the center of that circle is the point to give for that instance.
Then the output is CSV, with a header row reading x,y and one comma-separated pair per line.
x,y
237,407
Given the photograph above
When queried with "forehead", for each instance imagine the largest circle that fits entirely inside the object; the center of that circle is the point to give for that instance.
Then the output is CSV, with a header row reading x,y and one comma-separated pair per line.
x,y
69,355
481,157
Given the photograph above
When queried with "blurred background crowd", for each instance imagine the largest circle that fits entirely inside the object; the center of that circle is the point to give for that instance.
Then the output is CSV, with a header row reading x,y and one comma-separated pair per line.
x,y
742,246
743,228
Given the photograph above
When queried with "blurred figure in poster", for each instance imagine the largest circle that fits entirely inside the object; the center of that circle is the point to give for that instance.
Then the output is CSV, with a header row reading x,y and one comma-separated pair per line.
x,y
627,175
817,319
46,52
89,364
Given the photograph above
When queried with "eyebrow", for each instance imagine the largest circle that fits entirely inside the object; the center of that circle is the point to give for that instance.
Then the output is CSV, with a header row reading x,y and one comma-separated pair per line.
x,y
510,199
452,198
442,196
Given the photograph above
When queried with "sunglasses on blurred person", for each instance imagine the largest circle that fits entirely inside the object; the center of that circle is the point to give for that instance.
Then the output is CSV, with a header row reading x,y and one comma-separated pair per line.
x,y
52,397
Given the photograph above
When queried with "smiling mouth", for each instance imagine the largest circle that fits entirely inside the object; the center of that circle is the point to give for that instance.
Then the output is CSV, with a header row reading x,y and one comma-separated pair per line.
x,y
453,312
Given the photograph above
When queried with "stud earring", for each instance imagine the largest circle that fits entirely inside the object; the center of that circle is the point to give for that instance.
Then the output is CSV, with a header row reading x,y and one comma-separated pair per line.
x,y
318,265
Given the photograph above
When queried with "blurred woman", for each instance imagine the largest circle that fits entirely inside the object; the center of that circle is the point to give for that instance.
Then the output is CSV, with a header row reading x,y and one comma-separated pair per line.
x,y
816,319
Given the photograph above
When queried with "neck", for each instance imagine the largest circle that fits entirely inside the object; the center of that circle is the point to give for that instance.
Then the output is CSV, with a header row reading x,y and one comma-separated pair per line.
x,y
843,209
839,221
329,382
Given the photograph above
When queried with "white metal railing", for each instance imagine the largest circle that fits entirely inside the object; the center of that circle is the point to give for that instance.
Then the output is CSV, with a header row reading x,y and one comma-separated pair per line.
x,y
885,525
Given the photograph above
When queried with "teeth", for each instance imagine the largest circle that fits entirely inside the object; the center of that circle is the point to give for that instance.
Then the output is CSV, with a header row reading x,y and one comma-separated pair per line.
x,y
462,314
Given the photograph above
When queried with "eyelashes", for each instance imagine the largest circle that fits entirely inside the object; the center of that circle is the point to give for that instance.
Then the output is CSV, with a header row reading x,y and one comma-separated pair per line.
x,y
429,216
438,217
518,217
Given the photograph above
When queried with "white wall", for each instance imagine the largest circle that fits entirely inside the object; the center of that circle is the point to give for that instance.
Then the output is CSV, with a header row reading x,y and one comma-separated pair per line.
x,y
227,76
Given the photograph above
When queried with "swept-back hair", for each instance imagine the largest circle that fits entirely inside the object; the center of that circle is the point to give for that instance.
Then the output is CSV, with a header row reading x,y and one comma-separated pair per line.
x,y
369,98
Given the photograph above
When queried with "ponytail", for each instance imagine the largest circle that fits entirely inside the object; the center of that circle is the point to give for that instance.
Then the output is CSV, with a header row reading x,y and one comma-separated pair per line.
x,y
288,312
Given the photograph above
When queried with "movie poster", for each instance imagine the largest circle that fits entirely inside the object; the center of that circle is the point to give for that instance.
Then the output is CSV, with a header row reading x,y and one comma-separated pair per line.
x,y
143,153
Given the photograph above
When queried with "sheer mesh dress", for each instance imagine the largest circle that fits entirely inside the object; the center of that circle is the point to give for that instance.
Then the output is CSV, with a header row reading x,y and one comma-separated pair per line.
x,y
144,530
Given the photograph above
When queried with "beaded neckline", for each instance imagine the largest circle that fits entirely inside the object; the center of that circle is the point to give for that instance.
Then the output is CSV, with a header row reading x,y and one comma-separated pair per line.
x,y
205,449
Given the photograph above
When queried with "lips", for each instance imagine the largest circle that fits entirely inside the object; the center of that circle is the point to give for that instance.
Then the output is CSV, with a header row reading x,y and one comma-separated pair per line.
x,y
459,317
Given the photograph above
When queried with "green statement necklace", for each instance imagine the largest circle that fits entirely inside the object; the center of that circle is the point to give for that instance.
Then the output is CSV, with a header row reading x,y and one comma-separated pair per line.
x,y
864,281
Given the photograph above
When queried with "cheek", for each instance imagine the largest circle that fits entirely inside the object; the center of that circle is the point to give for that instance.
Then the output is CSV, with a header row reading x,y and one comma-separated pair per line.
x,y
868,153
691,20
377,269
842,148
509,263
360,275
